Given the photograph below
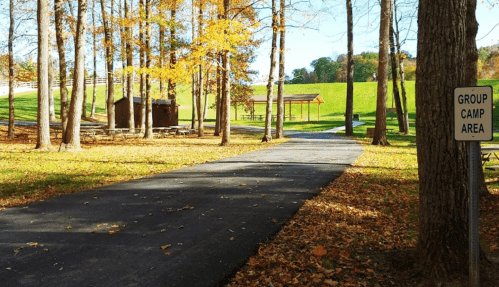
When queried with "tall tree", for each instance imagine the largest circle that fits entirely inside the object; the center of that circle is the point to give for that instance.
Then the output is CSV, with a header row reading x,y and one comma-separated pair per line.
x,y
72,141
267,136
199,92
384,29
51,92
401,70
129,62
349,101
94,50
172,86
447,58
61,49
218,103
109,48
11,71
396,93
194,75
279,132
142,63
43,128
226,85
149,121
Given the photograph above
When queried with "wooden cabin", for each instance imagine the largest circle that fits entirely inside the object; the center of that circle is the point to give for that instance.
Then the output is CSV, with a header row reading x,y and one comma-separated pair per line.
x,y
160,113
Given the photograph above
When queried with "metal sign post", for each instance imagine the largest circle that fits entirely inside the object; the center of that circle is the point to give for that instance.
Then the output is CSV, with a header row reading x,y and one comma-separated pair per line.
x,y
474,244
473,123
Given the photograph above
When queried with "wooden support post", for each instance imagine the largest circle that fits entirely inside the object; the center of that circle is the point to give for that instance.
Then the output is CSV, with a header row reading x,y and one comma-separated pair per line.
x,y
318,111
301,115
290,111
308,111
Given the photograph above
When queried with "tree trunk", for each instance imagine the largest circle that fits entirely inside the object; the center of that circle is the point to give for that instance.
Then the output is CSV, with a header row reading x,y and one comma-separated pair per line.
x,y
72,141
43,128
149,120
267,136
279,128
94,92
201,78
172,86
446,34
11,71
130,68
108,39
123,54
401,70
143,100
161,59
349,101
194,78
59,16
396,94
226,87
380,127
84,103
218,117
51,94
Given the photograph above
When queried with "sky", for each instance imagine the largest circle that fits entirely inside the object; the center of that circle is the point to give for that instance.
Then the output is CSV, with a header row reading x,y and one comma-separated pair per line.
x,y
305,45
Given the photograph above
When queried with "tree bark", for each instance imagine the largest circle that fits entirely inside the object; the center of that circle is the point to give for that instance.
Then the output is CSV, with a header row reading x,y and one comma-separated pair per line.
x,y
279,129
43,128
142,40
446,50
194,78
218,103
226,87
149,120
51,94
108,39
94,34
172,85
72,141
380,127
349,101
396,94
10,131
123,54
267,136
401,70
63,90
199,92
84,103
130,68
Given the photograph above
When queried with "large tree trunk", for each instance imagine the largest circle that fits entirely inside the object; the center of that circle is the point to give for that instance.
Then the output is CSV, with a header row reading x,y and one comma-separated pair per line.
x,y
349,101
149,120
161,59
401,70
446,59
267,136
84,103
143,100
72,141
396,94
200,87
172,86
194,77
59,32
130,68
279,128
94,34
384,29
109,64
43,127
226,88
11,71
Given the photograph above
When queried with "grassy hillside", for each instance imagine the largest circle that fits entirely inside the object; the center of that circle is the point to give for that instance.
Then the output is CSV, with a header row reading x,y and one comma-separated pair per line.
x,y
332,112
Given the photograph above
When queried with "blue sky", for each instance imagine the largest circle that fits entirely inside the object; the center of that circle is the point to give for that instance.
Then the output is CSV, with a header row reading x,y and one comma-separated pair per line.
x,y
305,45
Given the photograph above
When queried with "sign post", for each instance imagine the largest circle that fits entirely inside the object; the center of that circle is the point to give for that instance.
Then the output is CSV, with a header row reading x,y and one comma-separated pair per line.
x,y
473,123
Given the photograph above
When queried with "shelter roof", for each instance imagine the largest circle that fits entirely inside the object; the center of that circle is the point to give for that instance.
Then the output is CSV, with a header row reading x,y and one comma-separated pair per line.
x,y
295,98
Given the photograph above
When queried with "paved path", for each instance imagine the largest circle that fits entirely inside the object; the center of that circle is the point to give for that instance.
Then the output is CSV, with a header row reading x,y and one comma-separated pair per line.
x,y
213,215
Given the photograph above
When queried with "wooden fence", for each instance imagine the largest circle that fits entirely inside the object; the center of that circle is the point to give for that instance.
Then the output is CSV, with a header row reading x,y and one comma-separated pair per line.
x,y
69,82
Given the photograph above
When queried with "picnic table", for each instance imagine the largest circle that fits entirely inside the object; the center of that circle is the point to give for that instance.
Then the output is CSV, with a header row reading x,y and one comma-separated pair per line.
x,y
487,153
180,130
122,132
161,131
90,132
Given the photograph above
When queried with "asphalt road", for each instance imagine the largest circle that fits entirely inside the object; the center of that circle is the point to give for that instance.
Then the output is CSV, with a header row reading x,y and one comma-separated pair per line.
x,y
209,218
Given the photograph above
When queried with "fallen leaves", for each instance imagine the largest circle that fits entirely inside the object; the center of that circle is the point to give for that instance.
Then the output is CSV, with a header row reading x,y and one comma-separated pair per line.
x,y
319,251
113,231
163,247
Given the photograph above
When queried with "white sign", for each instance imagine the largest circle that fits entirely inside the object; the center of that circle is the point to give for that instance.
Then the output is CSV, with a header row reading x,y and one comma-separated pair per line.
x,y
473,114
